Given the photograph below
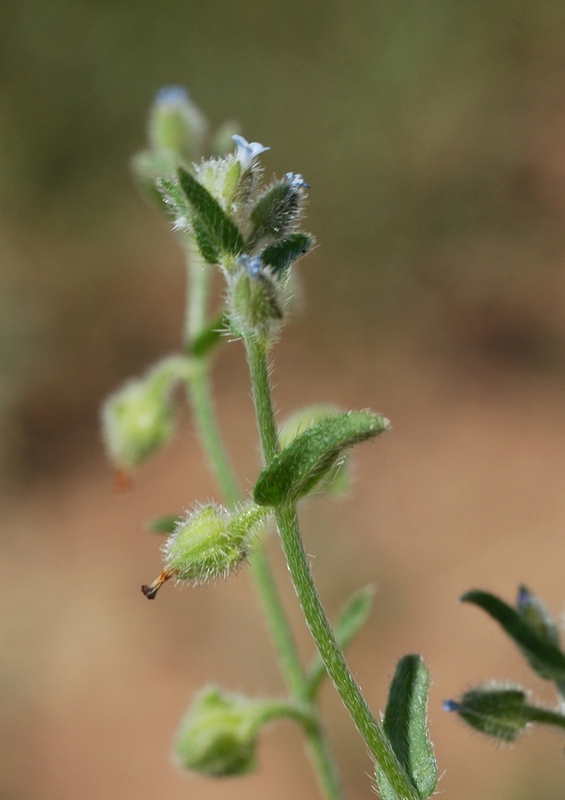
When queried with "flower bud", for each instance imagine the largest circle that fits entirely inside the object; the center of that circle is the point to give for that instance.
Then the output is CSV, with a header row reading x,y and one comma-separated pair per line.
x,y
278,209
221,177
208,543
256,298
219,734
176,125
138,419
498,711
537,616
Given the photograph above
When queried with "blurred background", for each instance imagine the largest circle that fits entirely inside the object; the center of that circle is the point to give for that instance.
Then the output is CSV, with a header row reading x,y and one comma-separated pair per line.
x,y
433,136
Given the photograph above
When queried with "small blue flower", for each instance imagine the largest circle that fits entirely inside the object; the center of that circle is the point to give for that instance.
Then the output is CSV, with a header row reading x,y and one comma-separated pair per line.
x,y
172,96
251,264
247,152
451,705
296,181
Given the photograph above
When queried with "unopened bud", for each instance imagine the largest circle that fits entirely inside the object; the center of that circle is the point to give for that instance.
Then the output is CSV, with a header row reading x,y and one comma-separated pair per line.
x,y
176,125
219,734
256,298
209,543
278,209
138,419
136,422
222,178
497,711
537,616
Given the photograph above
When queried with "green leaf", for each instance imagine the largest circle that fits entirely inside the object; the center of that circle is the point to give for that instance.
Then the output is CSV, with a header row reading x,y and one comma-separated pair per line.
x,y
213,222
174,198
280,255
295,471
350,620
164,524
545,658
405,725
205,242
338,479
209,338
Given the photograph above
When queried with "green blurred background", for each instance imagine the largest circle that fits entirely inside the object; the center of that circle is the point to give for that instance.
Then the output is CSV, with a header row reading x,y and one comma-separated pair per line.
x,y
433,136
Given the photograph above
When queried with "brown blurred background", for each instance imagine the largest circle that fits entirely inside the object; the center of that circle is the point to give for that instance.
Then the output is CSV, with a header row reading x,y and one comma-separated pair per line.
x,y
433,135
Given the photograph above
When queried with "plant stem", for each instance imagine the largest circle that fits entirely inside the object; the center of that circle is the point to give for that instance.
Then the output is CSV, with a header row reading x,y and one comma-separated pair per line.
x,y
262,396
312,607
544,716
198,286
295,677
198,383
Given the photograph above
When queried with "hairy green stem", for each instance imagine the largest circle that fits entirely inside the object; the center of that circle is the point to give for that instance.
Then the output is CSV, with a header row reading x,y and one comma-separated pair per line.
x,y
198,384
272,710
544,716
312,607
198,291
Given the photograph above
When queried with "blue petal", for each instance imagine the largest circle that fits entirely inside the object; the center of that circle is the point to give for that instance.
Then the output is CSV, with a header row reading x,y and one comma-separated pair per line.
x,y
247,152
172,95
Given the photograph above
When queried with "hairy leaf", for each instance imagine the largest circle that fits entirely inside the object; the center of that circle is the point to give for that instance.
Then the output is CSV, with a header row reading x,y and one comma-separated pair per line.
x,y
280,255
212,219
405,725
295,471
545,658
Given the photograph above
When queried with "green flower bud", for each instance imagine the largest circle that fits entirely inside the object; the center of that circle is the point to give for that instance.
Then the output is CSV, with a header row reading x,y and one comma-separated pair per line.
x,y
138,419
537,616
221,177
176,125
498,711
255,299
278,209
219,734
176,132
208,543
